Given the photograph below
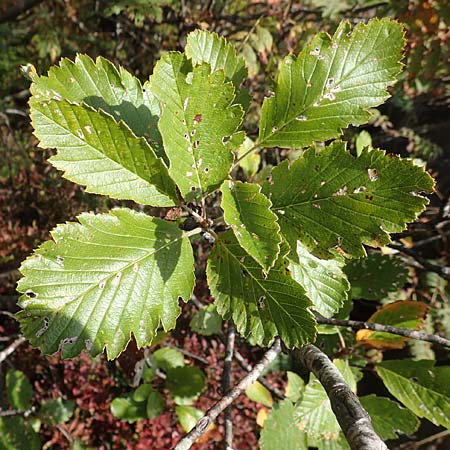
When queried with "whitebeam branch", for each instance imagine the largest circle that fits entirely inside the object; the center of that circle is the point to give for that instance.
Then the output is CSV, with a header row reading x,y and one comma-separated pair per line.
x,y
352,417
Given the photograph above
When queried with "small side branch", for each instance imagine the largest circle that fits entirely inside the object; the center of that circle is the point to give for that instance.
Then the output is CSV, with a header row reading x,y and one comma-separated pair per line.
x,y
212,414
352,417
11,348
246,366
358,325
443,272
226,377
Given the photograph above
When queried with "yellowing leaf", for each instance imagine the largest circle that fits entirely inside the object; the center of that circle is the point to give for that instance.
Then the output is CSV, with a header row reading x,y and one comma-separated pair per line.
x,y
403,314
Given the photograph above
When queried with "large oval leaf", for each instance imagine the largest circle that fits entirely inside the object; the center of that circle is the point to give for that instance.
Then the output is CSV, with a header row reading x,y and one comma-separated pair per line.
x,y
101,280
255,226
197,123
334,202
261,305
96,151
421,387
332,84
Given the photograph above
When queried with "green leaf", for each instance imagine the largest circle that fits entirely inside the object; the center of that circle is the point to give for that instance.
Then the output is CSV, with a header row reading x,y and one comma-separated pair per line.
x,y
16,434
143,403
197,123
388,417
206,47
332,83
260,394
261,305
125,408
323,280
372,278
101,280
141,393
281,427
188,416
314,412
56,411
96,151
250,163
363,140
155,404
334,202
206,321
100,84
340,443
295,386
168,358
255,226
19,389
185,384
422,388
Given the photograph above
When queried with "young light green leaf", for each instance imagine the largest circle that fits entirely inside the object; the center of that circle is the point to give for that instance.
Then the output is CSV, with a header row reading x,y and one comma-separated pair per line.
x,y
206,47
255,226
261,305
206,321
19,389
250,163
168,358
372,278
188,416
421,387
295,386
257,392
101,280
185,384
388,417
323,280
96,151
281,427
332,83
198,121
363,140
334,202
101,85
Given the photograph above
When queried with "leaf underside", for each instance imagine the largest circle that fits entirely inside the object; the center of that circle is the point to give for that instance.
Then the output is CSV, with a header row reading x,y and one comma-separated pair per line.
x,y
198,121
332,83
421,387
96,151
280,426
101,280
101,85
262,305
334,202
323,280
314,412
255,226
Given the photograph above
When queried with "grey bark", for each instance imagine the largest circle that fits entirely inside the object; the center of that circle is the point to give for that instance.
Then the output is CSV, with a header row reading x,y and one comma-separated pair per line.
x,y
352,417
